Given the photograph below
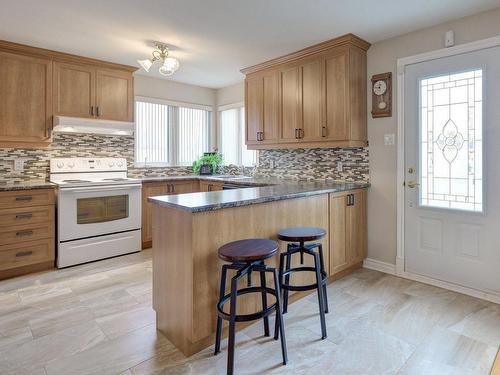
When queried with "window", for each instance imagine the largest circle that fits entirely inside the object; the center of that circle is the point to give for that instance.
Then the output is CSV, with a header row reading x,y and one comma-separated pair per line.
x,y
451,141
232,138
169,135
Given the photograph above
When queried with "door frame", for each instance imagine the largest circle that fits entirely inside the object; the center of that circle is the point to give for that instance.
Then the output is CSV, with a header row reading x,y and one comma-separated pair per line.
x,y
401,64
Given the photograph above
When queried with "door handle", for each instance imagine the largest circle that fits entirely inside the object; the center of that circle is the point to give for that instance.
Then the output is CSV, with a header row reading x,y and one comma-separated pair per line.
x,y
413,184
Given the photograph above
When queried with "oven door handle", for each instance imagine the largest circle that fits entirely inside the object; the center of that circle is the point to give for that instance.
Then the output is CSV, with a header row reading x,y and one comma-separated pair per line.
x,y
101,188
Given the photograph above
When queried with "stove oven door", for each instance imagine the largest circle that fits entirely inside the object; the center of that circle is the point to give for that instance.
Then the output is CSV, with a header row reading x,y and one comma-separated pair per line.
x,y
97,210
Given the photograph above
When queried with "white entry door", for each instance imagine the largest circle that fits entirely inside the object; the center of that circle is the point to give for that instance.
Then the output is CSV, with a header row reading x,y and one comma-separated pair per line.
x,y
452,166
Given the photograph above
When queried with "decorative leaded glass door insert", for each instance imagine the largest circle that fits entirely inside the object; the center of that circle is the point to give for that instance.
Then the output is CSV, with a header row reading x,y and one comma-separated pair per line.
x,y
451,141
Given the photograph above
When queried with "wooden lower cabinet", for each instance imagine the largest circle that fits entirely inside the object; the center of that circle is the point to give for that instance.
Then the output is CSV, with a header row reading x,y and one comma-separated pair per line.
x,y
153,189
348,230
210,186
27,231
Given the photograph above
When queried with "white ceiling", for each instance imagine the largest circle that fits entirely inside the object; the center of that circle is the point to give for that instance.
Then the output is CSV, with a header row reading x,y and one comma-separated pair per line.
x,y
214,39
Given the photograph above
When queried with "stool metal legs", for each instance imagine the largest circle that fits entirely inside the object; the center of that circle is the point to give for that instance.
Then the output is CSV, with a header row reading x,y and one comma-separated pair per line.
x,y
232,317
320,276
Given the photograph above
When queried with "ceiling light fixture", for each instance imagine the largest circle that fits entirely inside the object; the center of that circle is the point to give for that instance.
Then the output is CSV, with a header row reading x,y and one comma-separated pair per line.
x,y
169,64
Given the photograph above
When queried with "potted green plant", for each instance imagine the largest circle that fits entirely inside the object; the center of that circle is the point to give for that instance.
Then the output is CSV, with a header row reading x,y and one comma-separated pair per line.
x,y
208,163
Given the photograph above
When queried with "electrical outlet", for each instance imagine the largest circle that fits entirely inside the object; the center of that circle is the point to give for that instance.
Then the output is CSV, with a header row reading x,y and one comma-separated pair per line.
x,y
19,165
340,166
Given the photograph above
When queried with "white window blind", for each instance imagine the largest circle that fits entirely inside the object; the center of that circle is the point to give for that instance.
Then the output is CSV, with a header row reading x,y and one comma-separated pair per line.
x,y
170,135
232,138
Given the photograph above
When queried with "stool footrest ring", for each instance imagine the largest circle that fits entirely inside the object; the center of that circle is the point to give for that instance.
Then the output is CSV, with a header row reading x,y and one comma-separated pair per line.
x,y
247,317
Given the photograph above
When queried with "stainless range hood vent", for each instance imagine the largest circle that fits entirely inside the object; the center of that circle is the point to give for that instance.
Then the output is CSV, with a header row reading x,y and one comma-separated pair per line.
x,y
64,124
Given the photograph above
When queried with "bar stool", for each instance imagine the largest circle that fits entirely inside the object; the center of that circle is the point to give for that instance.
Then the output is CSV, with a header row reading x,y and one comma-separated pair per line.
x,y
302,235
247,256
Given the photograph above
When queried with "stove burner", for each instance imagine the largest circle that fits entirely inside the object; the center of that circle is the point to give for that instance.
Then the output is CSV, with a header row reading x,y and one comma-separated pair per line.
x,y
115,179
72,181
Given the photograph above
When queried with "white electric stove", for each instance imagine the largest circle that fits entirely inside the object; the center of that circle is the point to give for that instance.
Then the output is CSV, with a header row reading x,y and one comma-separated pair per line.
x,y
99,209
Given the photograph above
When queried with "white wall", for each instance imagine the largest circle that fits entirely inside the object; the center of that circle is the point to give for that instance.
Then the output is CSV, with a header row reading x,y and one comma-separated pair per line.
x,y
231,94
382,58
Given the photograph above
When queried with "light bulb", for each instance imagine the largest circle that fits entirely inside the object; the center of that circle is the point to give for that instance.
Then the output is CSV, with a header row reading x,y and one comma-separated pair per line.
x,y
146,64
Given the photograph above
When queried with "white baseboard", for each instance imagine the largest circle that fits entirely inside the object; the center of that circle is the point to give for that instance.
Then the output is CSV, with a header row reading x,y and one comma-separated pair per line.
x,y
390,269
378,265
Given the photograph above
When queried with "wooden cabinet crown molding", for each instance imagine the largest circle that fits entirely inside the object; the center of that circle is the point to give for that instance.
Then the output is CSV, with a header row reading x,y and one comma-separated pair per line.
x,y
61,56
312,50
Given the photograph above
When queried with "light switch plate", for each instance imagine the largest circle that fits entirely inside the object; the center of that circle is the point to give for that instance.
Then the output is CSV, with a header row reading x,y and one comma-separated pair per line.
x,y
19,165
389,139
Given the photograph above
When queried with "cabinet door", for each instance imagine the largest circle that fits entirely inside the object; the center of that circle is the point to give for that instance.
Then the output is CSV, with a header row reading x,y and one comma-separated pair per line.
x,y
290,105
254,110
150,190
336,96
339,257
271,124
182,187
311,74
356,227
114,95
25,100
74,90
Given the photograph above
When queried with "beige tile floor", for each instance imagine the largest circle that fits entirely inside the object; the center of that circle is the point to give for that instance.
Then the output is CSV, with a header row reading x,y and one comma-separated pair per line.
x,y
97,319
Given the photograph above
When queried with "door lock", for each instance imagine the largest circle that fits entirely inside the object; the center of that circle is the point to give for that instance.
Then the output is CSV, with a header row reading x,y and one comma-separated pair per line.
x,y
411,170
413,184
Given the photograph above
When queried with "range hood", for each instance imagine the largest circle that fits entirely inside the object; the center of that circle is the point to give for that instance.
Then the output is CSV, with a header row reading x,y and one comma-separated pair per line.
x,y
64,124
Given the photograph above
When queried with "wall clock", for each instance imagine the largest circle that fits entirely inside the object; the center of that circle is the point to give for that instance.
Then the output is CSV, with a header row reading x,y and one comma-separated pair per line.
x,y
382,95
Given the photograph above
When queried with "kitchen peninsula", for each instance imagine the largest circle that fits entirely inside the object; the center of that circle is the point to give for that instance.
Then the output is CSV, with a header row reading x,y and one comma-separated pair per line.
x,y
188,229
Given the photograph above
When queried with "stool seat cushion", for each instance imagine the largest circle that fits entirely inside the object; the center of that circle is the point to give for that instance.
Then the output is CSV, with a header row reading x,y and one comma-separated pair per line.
x,y
301,234
248,250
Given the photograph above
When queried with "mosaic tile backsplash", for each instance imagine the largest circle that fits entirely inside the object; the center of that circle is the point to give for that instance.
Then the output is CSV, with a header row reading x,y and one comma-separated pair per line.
x,y
316,164
307,164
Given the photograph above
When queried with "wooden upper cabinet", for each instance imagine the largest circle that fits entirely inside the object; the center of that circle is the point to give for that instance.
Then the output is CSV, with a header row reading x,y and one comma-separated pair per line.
x,y
311,81
322,91
25,100
114,95
74,90
271,107
290,104
254,108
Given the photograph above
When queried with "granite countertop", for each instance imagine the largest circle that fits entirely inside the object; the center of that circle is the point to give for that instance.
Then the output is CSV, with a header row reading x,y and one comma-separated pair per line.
x,y
269,190
26,185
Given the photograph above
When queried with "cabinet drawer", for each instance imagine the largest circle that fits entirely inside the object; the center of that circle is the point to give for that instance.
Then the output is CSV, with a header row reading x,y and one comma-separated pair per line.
x,y
23,233
26,216
26,253
26,198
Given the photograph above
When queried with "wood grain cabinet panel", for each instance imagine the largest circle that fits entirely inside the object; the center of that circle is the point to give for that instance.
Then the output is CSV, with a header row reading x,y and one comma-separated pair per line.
x,y
348,229
336,96
254,109
74,90
114,95
323,97
290,104
311,80
25,100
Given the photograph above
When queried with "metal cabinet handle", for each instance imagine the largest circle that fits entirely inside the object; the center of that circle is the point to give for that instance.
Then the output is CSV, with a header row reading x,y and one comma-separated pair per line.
x,y
350,199
24,216
323,131
172,188
296,136
24,254
24,233
97,111
92,110
24,198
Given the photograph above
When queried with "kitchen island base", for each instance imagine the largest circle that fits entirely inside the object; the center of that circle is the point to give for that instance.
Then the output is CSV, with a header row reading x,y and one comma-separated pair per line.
x,y
186,268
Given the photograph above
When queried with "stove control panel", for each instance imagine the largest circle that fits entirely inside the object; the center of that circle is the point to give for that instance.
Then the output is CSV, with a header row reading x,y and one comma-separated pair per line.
x,y
64,165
